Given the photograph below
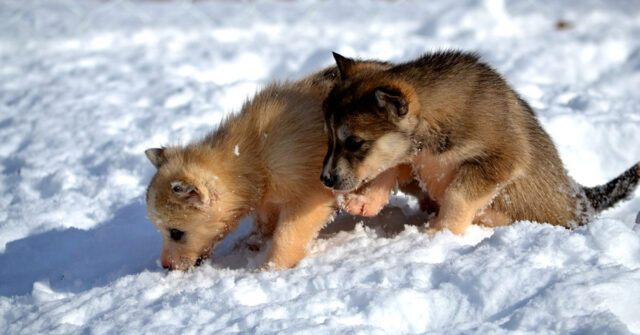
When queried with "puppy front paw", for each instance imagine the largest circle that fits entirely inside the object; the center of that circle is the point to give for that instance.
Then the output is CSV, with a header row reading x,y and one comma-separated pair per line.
x,y
364,205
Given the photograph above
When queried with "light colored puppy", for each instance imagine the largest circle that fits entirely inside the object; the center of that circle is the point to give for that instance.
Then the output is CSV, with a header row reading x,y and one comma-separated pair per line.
x,y
265,161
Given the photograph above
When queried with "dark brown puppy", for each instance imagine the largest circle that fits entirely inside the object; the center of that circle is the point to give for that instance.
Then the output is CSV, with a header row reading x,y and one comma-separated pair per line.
x,y
474,144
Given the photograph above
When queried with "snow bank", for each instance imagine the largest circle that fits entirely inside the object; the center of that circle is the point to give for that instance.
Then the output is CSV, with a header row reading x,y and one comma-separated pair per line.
x,y
527,277
86,86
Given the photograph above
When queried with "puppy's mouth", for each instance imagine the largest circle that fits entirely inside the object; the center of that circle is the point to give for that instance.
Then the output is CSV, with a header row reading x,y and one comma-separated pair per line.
x,y
343,191
341,184
339,192
200,260
203,257
350,187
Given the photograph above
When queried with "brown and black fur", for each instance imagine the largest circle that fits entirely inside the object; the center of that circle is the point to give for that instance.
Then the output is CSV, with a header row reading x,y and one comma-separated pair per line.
x,y
475,145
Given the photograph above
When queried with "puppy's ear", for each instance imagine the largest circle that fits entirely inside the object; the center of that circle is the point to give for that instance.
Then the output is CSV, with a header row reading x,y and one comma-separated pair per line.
x,y
345,65
156,156
194,194
391,100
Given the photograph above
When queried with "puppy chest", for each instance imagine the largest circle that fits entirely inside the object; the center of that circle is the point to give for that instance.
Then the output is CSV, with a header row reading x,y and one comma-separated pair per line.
x,y
434,173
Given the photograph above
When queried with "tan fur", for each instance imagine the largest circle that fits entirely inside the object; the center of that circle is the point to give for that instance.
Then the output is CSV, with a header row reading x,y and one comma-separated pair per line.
x,y
265,161
476,147
369,200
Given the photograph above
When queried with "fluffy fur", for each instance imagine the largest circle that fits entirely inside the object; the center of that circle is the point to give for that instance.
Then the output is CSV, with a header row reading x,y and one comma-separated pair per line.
x,y
476,147
265,161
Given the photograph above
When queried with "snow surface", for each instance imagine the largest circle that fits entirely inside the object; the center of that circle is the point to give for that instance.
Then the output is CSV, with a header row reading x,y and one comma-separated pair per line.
x,y
86,86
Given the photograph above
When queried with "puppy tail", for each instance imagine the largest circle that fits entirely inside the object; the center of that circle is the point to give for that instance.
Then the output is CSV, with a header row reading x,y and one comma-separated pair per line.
x,y
605,196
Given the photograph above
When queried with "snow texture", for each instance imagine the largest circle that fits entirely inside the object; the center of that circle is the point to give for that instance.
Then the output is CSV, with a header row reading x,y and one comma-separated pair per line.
x,y
87,86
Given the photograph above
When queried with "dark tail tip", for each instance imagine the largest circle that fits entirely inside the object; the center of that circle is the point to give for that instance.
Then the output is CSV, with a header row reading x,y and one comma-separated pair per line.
x,y
605,196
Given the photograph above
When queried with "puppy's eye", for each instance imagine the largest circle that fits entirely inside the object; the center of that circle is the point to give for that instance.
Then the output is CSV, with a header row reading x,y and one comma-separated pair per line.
x,y
176,188
176,234
353,143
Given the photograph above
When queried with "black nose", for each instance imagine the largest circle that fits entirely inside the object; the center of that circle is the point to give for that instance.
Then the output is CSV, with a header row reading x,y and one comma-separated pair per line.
x,y
329,180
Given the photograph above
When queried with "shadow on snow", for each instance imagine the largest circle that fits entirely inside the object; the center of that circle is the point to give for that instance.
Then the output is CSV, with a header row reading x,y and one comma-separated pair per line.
x,y
74,260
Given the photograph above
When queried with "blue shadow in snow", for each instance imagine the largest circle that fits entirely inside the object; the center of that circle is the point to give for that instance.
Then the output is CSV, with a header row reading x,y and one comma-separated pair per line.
x,y
74,260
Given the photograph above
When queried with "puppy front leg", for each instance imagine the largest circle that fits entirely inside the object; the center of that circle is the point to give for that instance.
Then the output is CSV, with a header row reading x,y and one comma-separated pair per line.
x,y
471,190
296,228
265,223
456,212
369,199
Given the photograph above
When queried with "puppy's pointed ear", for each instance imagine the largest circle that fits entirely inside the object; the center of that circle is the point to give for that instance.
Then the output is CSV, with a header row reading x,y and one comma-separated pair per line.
x,y
156,156
194,194
392,100
344,65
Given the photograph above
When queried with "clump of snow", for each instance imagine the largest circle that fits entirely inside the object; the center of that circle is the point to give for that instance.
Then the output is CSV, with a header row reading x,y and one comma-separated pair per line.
x,y
86,87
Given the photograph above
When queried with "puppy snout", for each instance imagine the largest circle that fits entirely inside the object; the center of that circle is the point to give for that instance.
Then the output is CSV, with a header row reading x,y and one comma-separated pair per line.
x,y
167,265
328,179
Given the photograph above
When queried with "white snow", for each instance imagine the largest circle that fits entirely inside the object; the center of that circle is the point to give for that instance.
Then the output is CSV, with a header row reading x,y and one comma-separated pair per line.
x,y
87,86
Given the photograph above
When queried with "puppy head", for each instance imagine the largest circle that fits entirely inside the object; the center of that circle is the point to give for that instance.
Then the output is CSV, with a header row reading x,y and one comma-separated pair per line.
x,y
370,116
188,205
325,79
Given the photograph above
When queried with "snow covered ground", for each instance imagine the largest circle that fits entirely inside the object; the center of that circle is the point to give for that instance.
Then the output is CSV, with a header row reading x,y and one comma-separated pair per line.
x,y
86,86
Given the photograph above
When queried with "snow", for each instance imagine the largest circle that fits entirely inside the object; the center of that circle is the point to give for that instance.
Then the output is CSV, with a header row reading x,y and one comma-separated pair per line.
x,y
87,86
